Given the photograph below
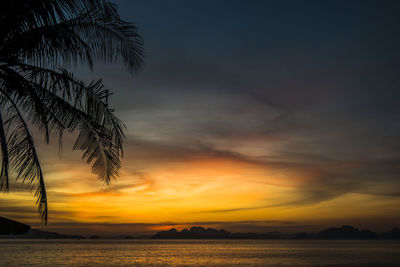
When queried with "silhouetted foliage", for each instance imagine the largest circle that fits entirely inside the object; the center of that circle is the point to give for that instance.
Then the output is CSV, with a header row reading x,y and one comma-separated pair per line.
x,y
37,37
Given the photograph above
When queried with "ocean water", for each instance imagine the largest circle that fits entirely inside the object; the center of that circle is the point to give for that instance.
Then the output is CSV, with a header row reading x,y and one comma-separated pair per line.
x,y
199,253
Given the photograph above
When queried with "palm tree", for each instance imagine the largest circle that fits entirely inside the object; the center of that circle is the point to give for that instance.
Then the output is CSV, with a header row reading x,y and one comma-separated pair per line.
x,y
38,37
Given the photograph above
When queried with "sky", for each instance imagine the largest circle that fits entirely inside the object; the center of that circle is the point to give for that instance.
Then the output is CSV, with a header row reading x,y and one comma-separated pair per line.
x,y
248,116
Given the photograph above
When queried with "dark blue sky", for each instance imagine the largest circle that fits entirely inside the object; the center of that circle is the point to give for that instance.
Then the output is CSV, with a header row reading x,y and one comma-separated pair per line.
x,y
287,53
332,64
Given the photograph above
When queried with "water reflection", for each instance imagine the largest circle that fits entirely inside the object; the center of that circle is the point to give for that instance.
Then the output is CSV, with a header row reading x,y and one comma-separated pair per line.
x,y
198,253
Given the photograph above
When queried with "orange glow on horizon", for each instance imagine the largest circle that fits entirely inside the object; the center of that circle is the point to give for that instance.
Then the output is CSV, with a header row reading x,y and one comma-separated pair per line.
x,y
194,190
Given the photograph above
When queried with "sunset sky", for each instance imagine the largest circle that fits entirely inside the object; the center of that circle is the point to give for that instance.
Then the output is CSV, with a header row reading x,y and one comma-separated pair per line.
x,y
248,116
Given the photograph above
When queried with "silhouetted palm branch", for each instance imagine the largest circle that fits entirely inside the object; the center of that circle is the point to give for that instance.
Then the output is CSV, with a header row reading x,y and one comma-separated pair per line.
x,y
22,153
38,35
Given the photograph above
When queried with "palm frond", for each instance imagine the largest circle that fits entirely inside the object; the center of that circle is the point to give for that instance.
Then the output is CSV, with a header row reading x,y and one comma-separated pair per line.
x,y
23,156
68,104
93,30
97,142
100,133
74,106
4,173
104,148
15,84
110,37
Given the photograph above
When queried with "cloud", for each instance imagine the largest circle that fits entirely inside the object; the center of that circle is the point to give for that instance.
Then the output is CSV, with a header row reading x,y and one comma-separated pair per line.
x,y
189,179
322,177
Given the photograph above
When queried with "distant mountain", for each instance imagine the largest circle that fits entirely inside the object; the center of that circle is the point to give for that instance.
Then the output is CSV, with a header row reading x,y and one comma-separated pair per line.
x,y
346,232
11,227
193,233
210,233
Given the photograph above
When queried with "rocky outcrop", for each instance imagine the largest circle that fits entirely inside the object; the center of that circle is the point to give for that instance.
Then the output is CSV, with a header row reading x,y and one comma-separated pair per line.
x,y
11,227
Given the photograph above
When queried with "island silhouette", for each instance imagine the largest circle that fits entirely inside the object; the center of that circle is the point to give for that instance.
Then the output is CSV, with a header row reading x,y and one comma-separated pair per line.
x,y
8,226
13,229
344,232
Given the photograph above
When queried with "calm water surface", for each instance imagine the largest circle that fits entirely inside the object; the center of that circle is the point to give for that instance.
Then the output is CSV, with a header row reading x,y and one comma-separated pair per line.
x,y
198,253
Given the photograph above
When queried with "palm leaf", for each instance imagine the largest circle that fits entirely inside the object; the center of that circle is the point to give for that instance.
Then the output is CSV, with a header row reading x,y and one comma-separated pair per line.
x,y
4,178
23,156
87,33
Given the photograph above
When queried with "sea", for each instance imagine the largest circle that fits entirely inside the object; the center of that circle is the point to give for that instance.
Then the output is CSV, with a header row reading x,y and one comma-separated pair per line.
x,y
148,252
